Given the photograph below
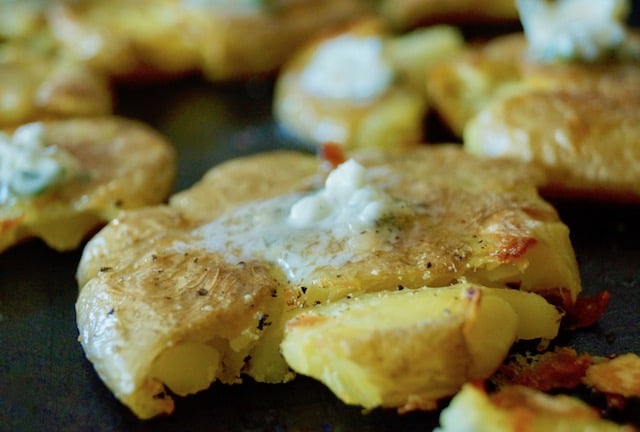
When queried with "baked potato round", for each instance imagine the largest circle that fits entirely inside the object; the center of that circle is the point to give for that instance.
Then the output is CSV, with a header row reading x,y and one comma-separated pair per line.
x,y
63,179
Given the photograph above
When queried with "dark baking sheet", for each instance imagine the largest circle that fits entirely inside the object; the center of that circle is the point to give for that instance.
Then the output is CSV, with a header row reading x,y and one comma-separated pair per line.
x,y
47,384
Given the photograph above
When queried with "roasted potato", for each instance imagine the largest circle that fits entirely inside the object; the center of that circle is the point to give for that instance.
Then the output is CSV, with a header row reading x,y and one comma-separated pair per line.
x,y
576,120
321,95
110,164
377,224
586,141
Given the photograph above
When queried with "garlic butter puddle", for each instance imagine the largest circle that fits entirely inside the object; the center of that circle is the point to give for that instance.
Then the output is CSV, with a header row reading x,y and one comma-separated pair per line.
x,y
302,233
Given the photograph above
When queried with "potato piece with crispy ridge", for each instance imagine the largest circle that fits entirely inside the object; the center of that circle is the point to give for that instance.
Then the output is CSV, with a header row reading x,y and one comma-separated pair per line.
x,y
619,376
408,349
521,409
576,120
60,180
586,141
180,320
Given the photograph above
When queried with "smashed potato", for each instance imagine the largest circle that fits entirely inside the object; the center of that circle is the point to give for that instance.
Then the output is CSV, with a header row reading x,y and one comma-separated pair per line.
x,y
577,120
322,95
262,238
62,179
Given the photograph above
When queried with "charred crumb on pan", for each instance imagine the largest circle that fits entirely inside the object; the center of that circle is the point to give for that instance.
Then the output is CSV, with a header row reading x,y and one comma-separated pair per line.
x,y
202,292
610,337
400,287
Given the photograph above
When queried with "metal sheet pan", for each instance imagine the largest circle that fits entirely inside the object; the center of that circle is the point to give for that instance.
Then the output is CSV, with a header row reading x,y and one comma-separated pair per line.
x,y
47,384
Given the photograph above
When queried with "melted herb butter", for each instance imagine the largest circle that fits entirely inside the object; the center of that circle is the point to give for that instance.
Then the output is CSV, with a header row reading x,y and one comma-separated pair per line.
x,y
348,68
301,233
583,30
29,167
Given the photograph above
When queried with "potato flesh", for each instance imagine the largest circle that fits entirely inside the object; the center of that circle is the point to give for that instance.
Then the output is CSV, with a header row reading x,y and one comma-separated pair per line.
x,y
396,348
536,317
186,368
489,335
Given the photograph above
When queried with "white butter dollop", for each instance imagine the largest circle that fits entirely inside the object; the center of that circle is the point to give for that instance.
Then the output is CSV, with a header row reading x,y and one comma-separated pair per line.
x,y
349,68
573,29
301,233
28,166
345,199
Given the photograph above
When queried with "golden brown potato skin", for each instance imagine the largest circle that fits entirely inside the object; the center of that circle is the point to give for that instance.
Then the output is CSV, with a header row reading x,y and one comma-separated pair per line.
x,y
179,298
578,121
478,216
129,165
482,221
458,87
587,142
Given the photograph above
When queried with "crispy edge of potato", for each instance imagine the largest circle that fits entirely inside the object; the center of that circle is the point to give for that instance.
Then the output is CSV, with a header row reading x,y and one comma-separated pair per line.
x,y
620,375
135,330
565,133
519,408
